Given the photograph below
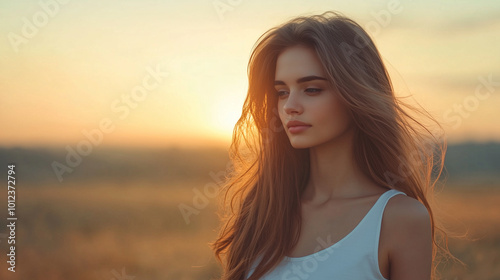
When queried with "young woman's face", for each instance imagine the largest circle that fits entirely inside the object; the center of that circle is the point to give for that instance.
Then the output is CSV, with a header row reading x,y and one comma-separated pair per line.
x,y
305,95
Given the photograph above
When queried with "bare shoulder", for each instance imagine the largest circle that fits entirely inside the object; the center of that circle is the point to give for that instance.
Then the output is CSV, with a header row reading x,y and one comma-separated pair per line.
x,y
403,210
407,216
406,225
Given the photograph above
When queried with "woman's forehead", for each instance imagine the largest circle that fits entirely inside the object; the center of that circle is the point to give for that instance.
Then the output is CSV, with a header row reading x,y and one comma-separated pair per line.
x,y
296,62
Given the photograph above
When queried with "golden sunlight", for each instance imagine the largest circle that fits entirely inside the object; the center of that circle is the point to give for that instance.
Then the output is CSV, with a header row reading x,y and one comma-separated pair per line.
x,y
226,111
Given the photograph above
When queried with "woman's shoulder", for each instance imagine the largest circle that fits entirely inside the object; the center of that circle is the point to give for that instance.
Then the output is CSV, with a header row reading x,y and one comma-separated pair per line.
x,y
407,232
406,211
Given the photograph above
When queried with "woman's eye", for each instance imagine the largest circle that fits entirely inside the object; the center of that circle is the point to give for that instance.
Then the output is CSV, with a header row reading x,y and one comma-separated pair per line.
x,y
280,92
313,90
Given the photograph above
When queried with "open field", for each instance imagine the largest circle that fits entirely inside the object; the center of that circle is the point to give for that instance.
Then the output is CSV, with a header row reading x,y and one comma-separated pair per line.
x,y
103,232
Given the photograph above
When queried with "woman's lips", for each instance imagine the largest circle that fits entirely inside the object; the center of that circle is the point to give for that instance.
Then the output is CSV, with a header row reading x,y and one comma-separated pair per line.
x,y
298,128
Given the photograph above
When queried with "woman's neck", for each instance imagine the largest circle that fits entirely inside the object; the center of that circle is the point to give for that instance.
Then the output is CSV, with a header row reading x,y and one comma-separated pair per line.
x,y
334,173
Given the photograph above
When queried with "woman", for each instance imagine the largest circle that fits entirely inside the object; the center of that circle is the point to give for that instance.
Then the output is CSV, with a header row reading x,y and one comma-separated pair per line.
x,y
335,180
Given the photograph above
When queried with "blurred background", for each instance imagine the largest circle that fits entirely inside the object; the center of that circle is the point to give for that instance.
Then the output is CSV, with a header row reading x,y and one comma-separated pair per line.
x,y
118,116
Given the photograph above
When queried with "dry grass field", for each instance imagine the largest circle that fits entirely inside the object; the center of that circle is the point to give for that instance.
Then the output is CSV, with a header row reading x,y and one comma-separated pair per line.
x,y
120,232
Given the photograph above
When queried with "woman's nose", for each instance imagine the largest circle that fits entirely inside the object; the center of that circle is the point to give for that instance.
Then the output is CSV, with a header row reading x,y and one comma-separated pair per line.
x,y
292,104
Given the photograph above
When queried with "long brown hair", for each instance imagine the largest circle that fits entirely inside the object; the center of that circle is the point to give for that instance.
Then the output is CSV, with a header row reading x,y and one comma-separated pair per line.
x,y
268,175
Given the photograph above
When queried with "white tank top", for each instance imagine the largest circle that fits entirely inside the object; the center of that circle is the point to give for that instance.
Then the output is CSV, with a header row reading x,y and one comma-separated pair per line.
x,y
353,257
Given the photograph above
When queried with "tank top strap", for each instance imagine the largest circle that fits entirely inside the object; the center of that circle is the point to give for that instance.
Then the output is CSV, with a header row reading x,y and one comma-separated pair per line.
x,y
367,236
379,208
376,220
371,223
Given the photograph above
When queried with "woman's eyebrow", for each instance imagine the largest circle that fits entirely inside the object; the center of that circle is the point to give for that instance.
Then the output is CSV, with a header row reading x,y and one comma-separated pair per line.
x,y
301,80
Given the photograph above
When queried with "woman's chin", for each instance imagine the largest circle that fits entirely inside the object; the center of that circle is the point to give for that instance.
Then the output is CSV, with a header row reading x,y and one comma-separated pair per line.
x,y
300,144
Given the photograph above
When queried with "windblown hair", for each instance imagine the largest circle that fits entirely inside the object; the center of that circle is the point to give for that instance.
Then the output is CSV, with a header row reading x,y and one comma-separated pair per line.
x,y
268,175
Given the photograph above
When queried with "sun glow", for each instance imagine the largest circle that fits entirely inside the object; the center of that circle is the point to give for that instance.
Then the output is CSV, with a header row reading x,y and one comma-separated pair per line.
x,y
226,112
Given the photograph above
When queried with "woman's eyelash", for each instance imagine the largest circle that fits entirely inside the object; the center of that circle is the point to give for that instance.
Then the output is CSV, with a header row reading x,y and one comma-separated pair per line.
x,y
314,90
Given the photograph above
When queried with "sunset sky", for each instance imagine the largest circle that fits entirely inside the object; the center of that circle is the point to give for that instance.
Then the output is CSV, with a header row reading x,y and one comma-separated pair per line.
x,y
70,67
